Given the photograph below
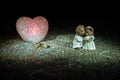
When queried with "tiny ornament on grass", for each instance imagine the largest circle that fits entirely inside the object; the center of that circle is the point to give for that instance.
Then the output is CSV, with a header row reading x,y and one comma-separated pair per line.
x,y
32,30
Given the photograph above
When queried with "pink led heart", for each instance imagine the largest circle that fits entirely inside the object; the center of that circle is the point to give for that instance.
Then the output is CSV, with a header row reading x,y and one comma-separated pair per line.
x,y
32,30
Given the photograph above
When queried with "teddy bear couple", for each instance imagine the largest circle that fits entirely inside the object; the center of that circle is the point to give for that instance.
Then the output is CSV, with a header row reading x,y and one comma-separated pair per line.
x,y
84,38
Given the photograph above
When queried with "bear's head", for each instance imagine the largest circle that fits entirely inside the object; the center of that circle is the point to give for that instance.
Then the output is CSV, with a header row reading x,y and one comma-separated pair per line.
x,y
80,30
89,31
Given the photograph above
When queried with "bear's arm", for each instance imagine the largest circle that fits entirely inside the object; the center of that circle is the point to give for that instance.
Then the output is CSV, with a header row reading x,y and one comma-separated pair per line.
x,y
91,38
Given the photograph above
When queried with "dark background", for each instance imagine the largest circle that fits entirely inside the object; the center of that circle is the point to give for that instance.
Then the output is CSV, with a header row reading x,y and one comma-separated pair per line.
x,y
61,23
63,16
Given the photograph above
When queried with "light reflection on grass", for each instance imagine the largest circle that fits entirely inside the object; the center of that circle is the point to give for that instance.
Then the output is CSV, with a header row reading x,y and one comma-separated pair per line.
x,y
60,58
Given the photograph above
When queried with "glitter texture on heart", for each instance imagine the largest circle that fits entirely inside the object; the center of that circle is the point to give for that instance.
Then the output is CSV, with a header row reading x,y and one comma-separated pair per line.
x,y
32,30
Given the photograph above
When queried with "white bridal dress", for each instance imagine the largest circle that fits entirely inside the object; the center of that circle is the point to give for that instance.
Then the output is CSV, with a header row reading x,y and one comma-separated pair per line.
x,y
90,45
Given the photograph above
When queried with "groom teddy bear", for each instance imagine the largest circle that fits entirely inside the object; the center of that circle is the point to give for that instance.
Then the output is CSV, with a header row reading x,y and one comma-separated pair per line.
x,y
78,39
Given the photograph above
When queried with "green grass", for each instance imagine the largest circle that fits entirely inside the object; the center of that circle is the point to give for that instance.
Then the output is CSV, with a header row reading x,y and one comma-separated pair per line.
x,y
60,61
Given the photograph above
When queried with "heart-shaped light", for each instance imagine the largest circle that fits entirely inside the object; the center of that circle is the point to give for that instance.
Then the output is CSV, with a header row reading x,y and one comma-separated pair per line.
x,y
32,30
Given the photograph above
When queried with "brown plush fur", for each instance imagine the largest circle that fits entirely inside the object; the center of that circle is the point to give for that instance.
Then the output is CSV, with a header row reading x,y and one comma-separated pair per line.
x,y
80,30
89,31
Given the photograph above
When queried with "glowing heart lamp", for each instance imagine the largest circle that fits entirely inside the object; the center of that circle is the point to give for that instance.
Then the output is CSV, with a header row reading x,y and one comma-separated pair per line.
x,y
32,30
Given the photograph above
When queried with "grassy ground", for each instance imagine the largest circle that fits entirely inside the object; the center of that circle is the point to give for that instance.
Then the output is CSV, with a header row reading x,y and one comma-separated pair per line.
x,y
26,61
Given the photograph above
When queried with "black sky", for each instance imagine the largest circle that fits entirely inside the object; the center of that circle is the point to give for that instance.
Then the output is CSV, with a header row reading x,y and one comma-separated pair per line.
x,y
64,15
67,21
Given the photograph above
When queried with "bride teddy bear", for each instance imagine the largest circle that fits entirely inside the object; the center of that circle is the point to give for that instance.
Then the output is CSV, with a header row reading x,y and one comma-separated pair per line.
x,y
88,40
